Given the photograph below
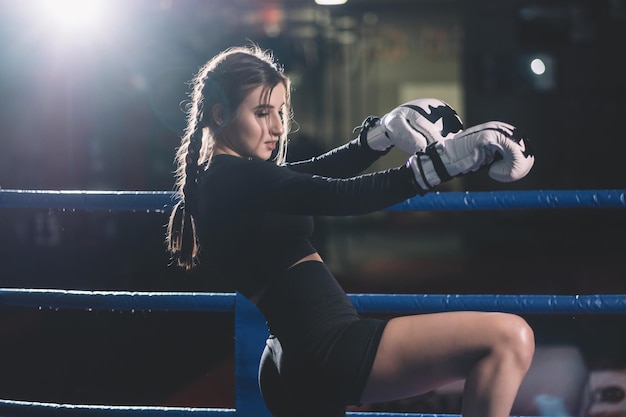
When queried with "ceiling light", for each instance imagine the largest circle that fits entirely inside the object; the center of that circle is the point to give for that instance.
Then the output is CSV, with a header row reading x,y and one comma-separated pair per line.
x,y
330,2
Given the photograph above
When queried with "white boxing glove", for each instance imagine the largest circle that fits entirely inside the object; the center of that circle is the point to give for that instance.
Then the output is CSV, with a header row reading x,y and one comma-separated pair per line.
x,y
493,143
412,126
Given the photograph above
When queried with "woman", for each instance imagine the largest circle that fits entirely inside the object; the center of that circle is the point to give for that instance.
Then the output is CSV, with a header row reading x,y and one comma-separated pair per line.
x,y
250,213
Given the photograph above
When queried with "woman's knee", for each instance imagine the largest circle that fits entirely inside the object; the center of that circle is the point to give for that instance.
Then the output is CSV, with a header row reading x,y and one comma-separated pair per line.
x,y
522,340
515,338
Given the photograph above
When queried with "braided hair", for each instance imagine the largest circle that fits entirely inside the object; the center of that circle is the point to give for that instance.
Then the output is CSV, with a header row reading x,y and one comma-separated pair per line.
x,y
225,80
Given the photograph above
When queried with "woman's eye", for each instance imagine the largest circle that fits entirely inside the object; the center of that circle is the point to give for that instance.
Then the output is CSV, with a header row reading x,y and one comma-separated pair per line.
x,y
262,114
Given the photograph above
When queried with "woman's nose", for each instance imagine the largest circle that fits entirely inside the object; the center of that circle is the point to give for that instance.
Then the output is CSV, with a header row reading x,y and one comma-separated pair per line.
x,y
276,126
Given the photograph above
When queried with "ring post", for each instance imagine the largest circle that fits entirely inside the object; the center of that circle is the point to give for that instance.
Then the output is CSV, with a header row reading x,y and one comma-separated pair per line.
x,y
250,335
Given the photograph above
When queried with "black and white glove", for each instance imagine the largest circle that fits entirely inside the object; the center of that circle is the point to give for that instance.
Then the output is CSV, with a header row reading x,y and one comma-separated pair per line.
x,y
412,126
497,144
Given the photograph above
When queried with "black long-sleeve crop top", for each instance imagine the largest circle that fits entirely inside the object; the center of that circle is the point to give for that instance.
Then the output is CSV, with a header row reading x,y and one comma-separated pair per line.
x,y
254,217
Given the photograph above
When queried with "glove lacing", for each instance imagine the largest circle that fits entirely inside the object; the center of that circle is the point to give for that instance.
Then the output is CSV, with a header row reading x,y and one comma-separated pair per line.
x,y
368,123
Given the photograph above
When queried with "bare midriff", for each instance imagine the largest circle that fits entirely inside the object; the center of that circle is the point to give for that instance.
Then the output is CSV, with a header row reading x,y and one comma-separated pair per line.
x,y
312,257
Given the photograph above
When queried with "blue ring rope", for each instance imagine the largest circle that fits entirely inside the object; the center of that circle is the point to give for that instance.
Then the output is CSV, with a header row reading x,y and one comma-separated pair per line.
x,y
15,408
161,201
496,200
30,409
366,303
116,300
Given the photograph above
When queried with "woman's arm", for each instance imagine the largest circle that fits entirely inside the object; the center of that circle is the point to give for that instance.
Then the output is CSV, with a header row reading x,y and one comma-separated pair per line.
x,y
344,161
283,190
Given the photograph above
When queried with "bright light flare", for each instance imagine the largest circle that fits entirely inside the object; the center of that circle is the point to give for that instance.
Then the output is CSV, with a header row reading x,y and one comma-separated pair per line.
x,y
330,2
71,16
542,72
537,66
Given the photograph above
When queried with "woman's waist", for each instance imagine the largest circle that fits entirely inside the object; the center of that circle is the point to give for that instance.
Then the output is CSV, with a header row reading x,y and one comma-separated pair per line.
x,y
305,303
250,268
312,257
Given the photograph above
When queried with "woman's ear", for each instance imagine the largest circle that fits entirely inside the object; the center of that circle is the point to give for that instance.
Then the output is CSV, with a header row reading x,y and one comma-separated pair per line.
x,y
217,114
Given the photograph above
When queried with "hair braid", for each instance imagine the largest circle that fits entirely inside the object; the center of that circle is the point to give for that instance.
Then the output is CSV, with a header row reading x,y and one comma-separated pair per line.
x,y
182,241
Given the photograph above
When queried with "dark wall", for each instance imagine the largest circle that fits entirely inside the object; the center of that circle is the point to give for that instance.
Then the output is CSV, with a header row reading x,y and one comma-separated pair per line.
x,y
573,120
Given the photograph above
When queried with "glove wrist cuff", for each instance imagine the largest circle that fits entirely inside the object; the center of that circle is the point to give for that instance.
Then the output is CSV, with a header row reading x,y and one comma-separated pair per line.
x,y
372,135
425,173
438,165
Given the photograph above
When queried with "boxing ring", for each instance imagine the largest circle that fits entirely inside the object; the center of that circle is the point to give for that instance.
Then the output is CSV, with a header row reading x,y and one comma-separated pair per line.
x,y
250,329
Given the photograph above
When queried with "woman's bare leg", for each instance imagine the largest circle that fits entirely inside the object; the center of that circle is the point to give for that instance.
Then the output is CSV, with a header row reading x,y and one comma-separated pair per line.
x,y
492,351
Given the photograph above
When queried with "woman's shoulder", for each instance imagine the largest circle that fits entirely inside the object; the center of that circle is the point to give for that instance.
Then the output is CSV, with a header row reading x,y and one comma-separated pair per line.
x,y
250,170
227,162
232,160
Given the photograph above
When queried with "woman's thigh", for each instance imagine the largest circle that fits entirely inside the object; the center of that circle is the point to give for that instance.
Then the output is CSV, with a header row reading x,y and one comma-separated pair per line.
x,y
422,352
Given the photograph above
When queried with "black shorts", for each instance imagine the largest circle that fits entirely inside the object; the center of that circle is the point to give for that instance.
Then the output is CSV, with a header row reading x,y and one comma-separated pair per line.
x,y
320,352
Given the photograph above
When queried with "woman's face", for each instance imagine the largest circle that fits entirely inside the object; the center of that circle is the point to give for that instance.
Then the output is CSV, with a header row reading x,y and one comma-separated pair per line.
x,y
257,125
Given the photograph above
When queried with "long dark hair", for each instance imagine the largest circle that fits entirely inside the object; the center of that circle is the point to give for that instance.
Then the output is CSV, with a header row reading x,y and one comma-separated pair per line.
x,y
225,80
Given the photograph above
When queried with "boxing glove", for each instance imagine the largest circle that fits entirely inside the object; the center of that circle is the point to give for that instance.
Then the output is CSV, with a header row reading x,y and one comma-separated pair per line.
x,y
497,144
412,126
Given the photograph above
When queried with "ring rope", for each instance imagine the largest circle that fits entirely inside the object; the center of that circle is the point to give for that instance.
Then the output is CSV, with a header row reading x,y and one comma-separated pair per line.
x,y
366,303
161,201
116,300
30,409
497,200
